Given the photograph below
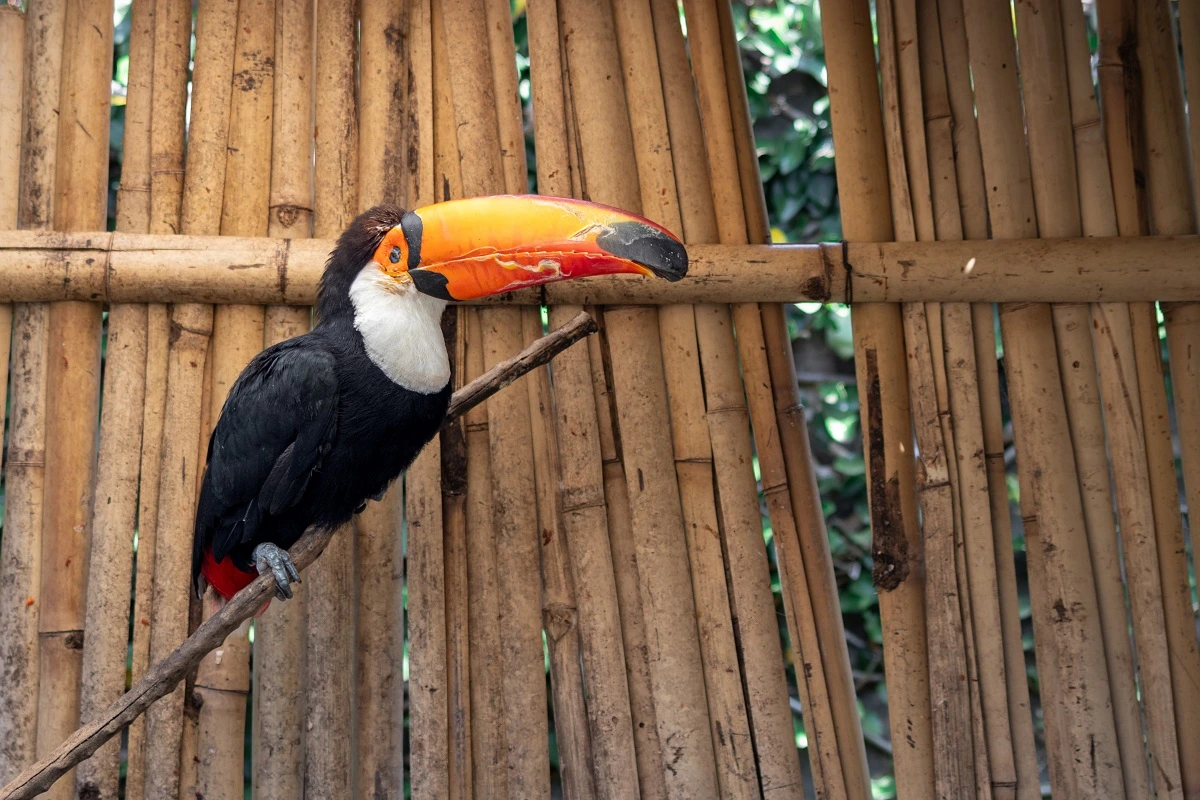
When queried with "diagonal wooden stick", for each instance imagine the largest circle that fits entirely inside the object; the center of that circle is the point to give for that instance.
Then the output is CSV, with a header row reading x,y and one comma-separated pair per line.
x,y
164,676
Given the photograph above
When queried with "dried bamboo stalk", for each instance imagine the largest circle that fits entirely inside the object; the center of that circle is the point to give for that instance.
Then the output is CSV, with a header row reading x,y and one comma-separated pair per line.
x,y
882,377
674,654
971,200
378,551
1171,207
1189,35
12,76
962,404
73,379
191,326
737,771
223,678
119,460
957,769
1065,616
560,610
328,604
509,433
782,445
133,214
31,179
279,674
454,770
583,516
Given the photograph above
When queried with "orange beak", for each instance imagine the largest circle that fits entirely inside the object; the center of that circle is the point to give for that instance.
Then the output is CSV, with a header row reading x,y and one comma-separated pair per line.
x,y
465,249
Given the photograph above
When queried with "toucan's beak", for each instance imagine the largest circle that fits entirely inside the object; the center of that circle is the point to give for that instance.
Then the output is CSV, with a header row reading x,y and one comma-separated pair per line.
x,y
464,249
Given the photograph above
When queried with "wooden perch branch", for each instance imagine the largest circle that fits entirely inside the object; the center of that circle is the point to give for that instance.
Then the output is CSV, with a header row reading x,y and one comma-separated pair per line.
x,y
164,676
43,266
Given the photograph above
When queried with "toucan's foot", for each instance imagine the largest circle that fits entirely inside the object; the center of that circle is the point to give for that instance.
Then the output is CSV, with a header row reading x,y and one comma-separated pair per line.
x,y
270,557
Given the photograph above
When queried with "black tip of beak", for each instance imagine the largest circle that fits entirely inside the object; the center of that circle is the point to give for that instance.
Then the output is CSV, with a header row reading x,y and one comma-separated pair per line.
x,y
648,246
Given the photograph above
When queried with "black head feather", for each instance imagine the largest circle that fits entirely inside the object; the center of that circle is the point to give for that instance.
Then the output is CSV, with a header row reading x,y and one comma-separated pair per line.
x,y
353,250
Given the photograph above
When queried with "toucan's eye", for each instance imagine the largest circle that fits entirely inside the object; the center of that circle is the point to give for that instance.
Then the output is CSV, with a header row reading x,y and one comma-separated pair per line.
x,y
395,255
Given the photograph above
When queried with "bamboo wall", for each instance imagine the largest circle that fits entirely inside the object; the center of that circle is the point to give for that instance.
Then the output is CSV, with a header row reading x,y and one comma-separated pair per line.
x,y
603,515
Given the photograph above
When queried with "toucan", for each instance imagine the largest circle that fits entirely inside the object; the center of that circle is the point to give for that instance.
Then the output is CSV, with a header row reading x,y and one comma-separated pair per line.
x,y
318,424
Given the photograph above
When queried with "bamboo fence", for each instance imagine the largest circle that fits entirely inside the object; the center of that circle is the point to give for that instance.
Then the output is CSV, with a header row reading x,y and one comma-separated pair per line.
x,y
580,560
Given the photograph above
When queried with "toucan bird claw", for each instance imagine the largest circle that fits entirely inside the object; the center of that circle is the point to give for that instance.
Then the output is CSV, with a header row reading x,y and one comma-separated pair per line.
x,y
269,557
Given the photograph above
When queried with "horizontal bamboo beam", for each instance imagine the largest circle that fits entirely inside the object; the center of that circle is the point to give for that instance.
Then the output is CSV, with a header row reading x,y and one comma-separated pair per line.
x,y
40,266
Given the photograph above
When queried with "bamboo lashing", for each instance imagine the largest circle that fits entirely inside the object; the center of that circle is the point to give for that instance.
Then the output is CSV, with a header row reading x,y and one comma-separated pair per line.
x,y
279,675
157,683
20,555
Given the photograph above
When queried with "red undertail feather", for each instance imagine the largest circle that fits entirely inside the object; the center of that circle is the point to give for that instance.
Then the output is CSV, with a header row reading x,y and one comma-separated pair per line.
x,y
223,576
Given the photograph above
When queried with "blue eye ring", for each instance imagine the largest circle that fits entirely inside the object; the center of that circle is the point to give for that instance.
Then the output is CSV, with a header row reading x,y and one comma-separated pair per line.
x,y
394,257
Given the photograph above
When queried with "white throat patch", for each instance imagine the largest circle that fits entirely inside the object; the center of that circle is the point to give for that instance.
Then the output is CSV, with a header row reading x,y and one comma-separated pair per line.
x,y
402,330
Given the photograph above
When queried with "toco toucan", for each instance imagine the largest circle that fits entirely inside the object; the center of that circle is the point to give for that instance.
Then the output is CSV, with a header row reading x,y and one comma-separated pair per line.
x,y
317,425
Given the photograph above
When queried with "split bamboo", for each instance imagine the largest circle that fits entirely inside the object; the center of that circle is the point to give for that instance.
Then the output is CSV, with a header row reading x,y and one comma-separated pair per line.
x,y
583,517
428,681
957,769
191,326
782,444
223,679
707,523
1066,623
1172,207
378,553
328,601
279,675
73,378
972,205
473,57
20,564
673,649
163,151
883,385
110,572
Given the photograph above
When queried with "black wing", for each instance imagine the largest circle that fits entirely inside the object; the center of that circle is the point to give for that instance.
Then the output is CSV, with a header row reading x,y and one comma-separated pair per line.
x,y
276,427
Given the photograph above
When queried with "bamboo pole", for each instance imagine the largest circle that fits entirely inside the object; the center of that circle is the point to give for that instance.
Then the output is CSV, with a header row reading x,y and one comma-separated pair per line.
x,y
330,663
191,327
1189,35
737,770
73,378
378,551
223,679
713,48
560,609
1065,614
583,515
473,83
971,200
1171,207
962,404
674,655
137,193
428,681
957,769
20,565
279,674
887,434
12,75
1057,195
112,556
